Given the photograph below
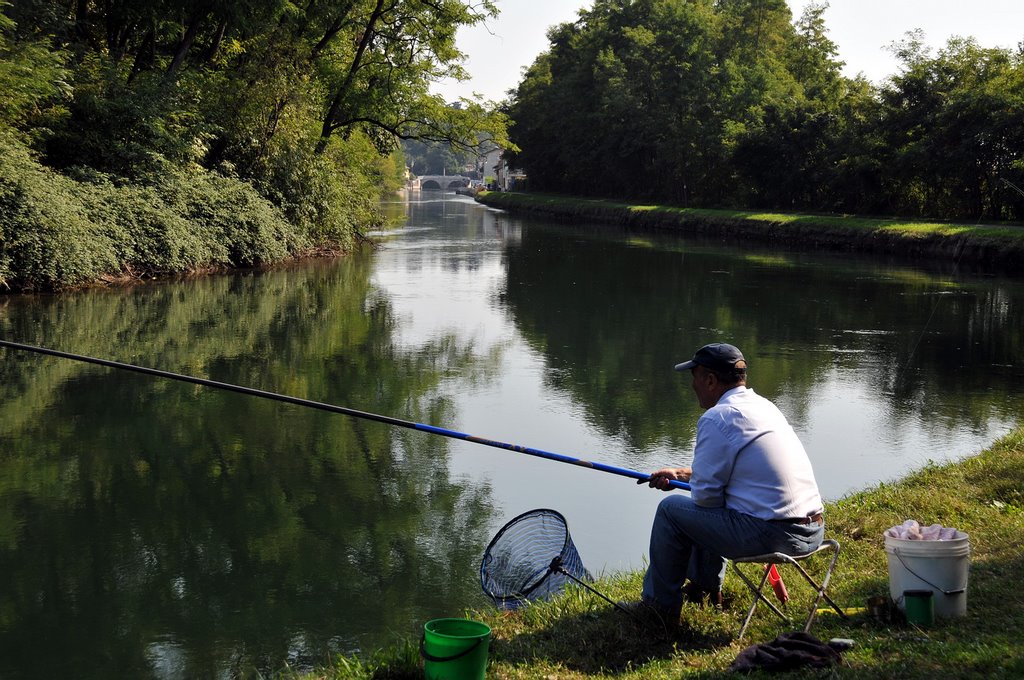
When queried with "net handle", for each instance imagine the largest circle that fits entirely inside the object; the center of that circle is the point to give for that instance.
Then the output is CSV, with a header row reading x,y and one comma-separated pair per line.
x,y
556,565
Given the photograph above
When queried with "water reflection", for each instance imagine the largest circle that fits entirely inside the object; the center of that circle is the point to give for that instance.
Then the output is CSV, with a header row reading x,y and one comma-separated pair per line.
x,y
156,529
898,347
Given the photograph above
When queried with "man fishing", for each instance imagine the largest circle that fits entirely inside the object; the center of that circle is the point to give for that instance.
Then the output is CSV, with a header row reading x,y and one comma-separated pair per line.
x,y
752,491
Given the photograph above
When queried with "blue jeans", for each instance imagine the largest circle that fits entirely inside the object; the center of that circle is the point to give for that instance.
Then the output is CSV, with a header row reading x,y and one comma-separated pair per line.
x,y
690,541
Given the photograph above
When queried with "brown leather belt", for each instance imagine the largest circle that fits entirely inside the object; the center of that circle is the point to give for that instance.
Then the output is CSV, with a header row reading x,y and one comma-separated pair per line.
x,y
816,518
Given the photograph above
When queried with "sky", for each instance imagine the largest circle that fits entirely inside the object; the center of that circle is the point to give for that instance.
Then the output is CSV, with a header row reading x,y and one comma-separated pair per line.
x,y
862,29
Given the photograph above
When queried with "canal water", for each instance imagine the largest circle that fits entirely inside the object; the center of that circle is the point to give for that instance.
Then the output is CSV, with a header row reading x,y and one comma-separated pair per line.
x,y
155,529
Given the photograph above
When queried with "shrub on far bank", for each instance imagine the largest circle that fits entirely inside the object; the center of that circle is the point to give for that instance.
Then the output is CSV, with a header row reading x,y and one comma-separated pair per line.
x,y
59,231
331,197
47,237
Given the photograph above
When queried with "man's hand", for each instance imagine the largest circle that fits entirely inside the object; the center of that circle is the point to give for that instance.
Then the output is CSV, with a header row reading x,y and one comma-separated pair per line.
x,y
661,478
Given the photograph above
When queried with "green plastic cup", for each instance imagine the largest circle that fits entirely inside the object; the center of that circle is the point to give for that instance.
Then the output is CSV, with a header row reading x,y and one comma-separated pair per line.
x,y
919,606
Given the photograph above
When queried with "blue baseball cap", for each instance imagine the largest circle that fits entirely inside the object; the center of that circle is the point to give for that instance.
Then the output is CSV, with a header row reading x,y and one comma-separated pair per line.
x,y
717,356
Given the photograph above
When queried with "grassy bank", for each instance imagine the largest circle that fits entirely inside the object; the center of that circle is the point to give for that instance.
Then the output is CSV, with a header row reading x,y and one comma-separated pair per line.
x,y
581,636
995,247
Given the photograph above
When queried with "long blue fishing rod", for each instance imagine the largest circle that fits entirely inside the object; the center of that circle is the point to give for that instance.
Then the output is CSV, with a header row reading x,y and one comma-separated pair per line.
x,y
601,467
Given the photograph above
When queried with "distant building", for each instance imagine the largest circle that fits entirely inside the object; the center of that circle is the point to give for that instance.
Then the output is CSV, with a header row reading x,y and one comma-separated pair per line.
x,y
497,172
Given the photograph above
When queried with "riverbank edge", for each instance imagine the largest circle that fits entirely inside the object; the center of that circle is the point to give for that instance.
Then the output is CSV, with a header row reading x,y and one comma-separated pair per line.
x,y
578,635
997,248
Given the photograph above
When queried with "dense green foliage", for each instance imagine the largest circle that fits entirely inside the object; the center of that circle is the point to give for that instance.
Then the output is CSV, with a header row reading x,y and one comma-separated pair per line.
x,y
731,102
141,138
61,229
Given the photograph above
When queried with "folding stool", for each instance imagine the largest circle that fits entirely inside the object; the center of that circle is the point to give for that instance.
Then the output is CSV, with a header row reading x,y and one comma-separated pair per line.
x,y
783,559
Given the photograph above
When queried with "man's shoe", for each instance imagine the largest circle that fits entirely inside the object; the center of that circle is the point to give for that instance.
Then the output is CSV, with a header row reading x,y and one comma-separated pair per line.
x,y
650,614
703,598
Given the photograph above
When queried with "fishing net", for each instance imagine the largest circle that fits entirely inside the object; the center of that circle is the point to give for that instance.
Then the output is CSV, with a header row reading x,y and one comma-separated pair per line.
x,y
531,557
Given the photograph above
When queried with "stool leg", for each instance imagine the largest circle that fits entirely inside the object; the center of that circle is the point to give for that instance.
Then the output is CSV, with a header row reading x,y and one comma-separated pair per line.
x,y
828,577
820,590
758,596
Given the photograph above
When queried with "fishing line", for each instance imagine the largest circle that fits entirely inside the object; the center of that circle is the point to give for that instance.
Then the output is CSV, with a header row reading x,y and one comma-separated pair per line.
x,y
920,336
308,403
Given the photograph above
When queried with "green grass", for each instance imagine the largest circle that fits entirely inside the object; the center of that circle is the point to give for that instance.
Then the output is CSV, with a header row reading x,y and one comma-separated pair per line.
x,y
579,635
1000,245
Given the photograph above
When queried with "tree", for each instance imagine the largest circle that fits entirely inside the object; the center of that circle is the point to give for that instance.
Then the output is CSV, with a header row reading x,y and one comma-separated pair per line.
x,y
953,124
669,86
436,158
303,103
786,157
382,84
730,102
32,78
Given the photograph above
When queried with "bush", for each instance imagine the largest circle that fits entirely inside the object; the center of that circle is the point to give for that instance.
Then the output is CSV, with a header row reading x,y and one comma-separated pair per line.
x,y
151,237
229,214
59,231
47,239
331,197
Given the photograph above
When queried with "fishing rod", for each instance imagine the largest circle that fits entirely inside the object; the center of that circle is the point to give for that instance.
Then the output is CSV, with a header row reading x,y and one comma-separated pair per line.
x,y
331,408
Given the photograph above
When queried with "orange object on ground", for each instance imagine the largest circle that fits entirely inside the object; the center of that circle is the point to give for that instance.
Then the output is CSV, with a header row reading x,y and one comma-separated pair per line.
x,y
777,583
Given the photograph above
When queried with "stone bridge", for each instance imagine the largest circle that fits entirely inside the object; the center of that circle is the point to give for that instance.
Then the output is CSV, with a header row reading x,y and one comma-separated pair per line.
x,y
440,182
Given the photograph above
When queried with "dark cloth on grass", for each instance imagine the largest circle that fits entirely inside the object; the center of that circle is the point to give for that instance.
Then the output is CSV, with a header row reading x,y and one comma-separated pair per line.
x,y
786,652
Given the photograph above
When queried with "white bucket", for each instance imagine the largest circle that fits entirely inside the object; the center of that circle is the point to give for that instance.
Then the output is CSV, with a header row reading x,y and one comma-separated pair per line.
x,y
939,566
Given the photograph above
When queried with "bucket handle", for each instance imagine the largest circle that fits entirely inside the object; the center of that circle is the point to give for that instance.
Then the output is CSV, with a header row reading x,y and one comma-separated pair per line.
x,y
957,591
441,659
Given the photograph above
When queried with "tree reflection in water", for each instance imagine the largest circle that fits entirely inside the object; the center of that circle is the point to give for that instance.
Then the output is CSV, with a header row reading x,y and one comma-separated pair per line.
x,y
153,528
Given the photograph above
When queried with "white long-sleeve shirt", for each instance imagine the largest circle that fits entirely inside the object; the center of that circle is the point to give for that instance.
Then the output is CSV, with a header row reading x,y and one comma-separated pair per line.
x,y
748,458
